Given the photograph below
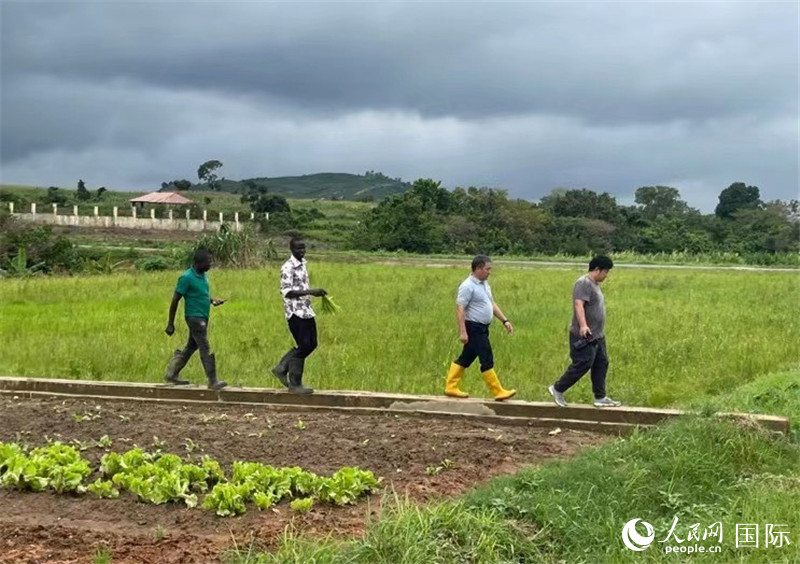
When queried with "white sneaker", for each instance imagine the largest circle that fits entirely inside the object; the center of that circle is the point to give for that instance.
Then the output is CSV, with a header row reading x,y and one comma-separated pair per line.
x,y
607,402
558,397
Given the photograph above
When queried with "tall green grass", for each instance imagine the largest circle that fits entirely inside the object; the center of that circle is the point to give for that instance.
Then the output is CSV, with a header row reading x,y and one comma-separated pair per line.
x,y
404,533
673,336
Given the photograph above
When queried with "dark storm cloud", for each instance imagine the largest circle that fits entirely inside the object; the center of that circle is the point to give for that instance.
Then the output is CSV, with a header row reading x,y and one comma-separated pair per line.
x,y
524,96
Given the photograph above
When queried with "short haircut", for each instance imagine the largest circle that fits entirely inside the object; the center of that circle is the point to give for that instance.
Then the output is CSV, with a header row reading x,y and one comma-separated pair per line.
x,y
601,262
479,261
294,241
201,253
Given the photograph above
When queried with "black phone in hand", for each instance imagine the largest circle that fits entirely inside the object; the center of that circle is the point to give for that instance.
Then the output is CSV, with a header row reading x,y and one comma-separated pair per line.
x,y
584,342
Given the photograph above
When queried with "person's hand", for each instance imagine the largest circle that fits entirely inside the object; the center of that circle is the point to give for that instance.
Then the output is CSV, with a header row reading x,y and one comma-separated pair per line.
x,y
585,332
463,338
170,330
318,292
217,302
509,327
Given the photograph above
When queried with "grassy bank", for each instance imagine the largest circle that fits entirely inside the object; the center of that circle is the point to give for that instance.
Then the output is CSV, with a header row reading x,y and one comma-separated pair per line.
x,y
699,470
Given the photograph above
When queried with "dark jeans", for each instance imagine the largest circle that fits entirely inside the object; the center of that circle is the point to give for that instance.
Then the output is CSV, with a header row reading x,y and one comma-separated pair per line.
x,y
304,332
478,346
591,358
198,338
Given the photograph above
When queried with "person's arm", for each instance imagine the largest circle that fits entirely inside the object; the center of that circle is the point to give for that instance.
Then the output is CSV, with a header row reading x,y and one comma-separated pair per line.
x,y
462,325
462,301
173,308
316,292
498,313
580,315
286,287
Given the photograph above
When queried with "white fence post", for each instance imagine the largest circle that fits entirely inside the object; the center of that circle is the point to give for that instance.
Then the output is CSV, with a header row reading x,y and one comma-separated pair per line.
x,y
96,211
33,208
133,212
55,210
236,218
75,211
266,216
170,215
252,216
11,207
116,212
205,215
152,213
220,217
188,216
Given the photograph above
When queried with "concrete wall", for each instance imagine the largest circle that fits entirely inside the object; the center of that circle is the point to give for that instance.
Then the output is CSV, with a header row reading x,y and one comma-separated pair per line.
x,y
125,222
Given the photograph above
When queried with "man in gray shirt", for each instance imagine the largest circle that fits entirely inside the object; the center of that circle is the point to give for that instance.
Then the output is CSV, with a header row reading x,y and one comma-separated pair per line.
x,y
475,308
587,339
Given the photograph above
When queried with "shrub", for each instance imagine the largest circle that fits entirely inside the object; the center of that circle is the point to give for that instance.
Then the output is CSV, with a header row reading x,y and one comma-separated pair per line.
x,y
152,264
57,253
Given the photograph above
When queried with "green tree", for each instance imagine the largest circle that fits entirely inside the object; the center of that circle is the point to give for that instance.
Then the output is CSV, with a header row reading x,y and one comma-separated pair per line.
x,y
83,193
180,185
738,196
431,195
56,196
407,221
259,200
207,172
658,201
670,233
767,229
525,224
100,192
583,203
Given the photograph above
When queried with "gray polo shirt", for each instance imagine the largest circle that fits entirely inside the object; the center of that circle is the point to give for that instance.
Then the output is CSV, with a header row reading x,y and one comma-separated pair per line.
x,y
476,297
594,306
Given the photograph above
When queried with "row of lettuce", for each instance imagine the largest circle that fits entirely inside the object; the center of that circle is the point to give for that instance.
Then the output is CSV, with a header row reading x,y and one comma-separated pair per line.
x,y
160,478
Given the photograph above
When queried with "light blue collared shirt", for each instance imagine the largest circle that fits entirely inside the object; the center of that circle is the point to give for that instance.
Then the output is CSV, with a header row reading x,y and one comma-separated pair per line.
x,y
476,297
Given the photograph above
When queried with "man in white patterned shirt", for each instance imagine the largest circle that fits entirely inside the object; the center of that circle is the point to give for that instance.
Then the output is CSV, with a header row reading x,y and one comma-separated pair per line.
x,y
300,317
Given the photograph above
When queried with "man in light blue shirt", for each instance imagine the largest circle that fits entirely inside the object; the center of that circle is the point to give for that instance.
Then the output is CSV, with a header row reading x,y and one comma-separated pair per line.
x,y
475,309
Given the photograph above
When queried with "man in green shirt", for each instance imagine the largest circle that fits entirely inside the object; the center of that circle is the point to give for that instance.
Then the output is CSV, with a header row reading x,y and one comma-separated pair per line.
x,y
193,288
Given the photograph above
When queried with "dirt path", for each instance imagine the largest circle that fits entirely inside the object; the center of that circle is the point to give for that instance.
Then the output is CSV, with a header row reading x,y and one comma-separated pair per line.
x,y
45,527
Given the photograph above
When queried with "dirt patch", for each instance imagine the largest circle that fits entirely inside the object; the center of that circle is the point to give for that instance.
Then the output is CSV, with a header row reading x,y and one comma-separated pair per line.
x,y
45,527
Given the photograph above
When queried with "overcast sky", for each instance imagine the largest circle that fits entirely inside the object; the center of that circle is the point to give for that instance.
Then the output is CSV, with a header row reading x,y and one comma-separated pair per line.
x,y
522,96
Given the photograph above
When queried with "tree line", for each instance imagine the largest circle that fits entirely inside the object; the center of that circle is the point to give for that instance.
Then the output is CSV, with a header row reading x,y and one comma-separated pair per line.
x,y
428,218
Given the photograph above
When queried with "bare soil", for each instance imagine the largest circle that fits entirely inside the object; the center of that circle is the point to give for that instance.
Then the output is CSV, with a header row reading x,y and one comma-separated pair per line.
x,y
47,527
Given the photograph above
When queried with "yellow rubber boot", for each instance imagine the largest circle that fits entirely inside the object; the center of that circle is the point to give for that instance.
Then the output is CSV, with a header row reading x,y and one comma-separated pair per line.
x,y
454,376
493,383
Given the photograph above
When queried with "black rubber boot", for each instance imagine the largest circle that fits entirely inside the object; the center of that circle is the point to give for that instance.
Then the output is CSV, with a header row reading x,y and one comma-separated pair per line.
x,y
210,366
281,370
296,366
176,364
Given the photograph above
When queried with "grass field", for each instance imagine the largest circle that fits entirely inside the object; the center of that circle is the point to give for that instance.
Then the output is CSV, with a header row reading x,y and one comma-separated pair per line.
x,y
674,337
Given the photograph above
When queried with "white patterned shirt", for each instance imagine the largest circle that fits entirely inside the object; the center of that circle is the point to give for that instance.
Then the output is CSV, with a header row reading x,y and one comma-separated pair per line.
x,y
294,277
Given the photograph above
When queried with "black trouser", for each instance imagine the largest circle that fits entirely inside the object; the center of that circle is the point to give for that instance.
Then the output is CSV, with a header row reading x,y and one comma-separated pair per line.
x,y
592,357
304,332
198,338
478,346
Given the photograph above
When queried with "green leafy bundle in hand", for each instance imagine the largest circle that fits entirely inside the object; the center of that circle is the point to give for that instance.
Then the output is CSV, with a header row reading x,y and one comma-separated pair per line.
x,y
329,306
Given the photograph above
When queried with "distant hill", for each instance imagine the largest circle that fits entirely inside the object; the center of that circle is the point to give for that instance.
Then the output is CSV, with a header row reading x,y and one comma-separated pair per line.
x,y
328,185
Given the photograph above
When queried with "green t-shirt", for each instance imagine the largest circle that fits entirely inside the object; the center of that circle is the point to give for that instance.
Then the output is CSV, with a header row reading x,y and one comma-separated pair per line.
x,y
196,295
